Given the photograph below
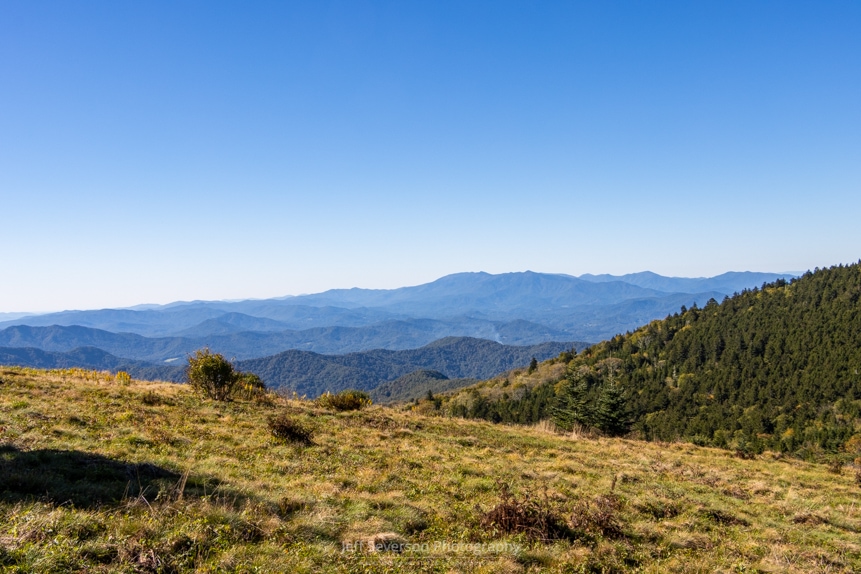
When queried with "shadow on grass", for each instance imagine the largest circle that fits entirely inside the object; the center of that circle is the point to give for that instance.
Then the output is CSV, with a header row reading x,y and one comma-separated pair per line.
x,y
80,478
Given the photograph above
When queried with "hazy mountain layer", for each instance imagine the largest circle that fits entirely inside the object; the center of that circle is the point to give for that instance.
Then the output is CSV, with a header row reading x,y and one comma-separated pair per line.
x,y
183,319
314,373
456,357
726,284
393,335
512,308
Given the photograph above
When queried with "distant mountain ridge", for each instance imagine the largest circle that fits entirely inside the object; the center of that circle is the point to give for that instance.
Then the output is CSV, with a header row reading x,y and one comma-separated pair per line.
x,y
313,373
511,308
392,335
367,337
727,283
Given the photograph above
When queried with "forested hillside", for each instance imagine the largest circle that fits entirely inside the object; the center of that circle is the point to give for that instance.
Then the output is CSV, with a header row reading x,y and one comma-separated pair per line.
x,y
456,357
416,385
777,367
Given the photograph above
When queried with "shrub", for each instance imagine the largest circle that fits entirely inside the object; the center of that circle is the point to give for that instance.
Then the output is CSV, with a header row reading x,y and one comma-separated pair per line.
x,y
534,518
287,429
123,378
215,377
598,516
211,375
151,398
250,386
349,400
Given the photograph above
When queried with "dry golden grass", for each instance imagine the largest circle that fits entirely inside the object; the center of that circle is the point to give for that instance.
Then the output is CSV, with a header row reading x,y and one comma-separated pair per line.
x,y
100,476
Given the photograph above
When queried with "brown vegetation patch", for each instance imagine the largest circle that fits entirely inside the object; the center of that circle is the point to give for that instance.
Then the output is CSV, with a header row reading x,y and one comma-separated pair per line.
x,y
284,427
599,515
723,518
152,399
349,400
530,516
659,509
808,518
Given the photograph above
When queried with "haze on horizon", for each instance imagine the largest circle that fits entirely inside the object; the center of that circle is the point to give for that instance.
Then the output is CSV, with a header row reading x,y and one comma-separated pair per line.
x,y
154,152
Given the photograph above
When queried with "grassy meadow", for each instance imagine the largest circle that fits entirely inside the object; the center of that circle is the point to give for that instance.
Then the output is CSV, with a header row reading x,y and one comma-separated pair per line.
x,y
100,475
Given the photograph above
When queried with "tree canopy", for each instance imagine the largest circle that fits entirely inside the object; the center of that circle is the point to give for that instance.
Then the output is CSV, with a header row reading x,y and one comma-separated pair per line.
x,y
775,367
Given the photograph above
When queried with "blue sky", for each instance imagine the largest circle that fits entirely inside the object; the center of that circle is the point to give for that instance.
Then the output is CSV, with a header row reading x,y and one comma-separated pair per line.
x,y
161,151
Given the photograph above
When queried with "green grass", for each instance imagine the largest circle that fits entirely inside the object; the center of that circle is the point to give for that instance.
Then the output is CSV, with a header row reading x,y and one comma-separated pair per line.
x,y
98,476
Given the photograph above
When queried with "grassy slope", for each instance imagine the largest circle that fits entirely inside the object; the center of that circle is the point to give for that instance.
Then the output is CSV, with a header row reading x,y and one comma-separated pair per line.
x,y
97,476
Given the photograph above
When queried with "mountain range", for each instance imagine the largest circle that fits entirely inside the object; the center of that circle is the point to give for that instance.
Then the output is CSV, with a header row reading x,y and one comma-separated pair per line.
x,y
512,309
312,374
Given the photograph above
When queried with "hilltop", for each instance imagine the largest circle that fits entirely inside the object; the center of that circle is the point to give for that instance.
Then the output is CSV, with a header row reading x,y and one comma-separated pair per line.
x,y
98,476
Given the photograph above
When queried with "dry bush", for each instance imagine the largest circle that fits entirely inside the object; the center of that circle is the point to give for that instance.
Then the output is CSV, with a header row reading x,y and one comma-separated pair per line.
x,y
600,515
151,398
530,516
349,400
250,387
285,428
546,426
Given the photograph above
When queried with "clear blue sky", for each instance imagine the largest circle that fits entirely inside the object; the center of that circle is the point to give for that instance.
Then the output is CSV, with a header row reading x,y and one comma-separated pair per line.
x,y
159,151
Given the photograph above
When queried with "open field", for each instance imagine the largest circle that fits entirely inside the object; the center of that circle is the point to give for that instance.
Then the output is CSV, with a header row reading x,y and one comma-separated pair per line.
x,y
101,476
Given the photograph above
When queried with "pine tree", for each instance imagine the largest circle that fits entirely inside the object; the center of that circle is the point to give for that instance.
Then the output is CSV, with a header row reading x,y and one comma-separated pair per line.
x,y
611,415
572,406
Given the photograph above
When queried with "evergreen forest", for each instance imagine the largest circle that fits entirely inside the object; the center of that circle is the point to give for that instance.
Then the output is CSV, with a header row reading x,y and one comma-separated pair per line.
x,y
776,367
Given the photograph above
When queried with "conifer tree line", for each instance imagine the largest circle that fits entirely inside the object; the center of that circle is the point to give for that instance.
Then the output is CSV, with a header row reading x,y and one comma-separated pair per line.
x,y
776,367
